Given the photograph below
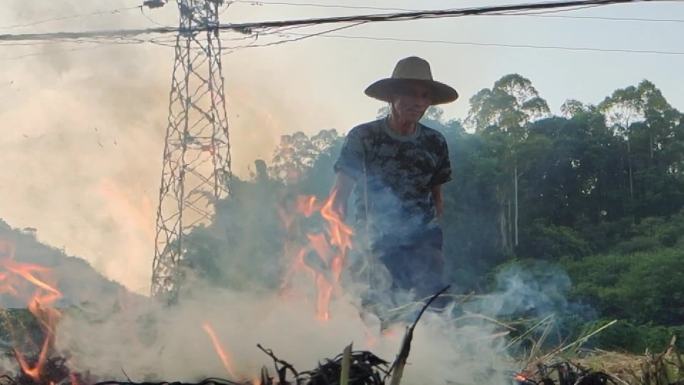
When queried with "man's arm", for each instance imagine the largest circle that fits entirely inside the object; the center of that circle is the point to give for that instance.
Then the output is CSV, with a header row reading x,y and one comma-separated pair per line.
x,y
344,184
439,202
441,176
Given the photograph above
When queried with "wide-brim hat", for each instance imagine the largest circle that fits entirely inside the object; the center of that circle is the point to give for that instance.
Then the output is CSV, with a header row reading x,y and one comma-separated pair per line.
x,y
411,69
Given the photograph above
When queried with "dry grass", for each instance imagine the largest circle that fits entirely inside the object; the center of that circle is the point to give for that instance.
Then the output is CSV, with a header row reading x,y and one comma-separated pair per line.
x,y
665,368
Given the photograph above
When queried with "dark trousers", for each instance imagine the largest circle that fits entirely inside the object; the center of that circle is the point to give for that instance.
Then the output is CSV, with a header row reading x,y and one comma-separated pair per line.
x,y
415,262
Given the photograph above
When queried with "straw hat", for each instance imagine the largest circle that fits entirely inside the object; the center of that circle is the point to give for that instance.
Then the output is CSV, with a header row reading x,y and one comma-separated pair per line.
x,y
411,69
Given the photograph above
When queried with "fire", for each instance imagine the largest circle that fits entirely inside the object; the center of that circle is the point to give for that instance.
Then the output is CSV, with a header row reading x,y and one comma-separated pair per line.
x,y
331,247
15,279
324,295
340,234
306,205
223,354
320,245
521,379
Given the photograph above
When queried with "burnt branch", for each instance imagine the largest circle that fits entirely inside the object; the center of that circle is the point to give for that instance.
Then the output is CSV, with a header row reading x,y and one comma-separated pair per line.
x,y
284,365
206,381
397,369
365,369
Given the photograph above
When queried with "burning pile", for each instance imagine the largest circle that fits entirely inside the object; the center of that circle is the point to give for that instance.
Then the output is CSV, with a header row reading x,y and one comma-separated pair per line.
x,y
33,285
355,368
40,364
151,344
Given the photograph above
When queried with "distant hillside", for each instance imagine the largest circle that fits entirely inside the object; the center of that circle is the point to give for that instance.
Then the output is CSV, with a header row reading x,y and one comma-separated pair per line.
x,y
79,283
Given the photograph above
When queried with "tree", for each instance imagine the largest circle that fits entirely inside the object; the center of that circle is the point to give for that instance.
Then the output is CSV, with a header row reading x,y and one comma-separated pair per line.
x,y
622,109
572,107
297,153
504,112
646,122
509,105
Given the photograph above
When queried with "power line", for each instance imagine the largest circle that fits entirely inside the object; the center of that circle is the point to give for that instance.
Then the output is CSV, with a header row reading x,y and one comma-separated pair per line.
x,y
300,36
530,46
319,5
62,18
606,18
340,6
120,37
250,27
150,19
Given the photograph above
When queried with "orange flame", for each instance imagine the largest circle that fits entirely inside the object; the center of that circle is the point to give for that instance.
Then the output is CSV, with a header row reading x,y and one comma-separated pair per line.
x,y
340,233
13,278
306,205
223,354
331,247
320,245
325,290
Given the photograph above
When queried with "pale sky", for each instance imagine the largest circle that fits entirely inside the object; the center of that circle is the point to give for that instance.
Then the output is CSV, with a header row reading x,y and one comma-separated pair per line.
x,y
83,124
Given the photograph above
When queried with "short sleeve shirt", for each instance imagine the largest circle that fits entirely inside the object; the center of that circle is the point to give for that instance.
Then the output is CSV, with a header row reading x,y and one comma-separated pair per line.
x,y
394,177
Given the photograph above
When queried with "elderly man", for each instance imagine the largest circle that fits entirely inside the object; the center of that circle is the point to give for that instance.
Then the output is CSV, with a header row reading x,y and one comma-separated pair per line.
x,y
397,167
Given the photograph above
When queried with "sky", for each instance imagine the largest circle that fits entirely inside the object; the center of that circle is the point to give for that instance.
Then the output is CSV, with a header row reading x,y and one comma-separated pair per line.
x,y
83,124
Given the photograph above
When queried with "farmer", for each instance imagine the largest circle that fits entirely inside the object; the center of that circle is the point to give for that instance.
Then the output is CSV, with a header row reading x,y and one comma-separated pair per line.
x,y
397,166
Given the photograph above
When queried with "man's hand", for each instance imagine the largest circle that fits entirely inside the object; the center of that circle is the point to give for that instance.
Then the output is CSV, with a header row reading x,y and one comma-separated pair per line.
x,y
342,189
439,202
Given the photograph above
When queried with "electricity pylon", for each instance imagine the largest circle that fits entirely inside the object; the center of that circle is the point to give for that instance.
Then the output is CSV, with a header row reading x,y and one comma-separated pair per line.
x,y
196,162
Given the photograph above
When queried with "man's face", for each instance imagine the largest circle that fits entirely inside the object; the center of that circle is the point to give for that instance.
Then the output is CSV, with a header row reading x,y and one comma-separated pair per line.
x,y
410,102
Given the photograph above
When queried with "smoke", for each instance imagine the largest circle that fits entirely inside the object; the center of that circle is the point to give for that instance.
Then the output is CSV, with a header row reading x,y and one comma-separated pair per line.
x,y
108,337
85,119
151,342
537,291
84,127
237,292
530,289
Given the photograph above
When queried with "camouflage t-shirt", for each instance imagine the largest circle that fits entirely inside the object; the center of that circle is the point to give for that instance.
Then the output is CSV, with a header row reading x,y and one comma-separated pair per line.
x,y
394,177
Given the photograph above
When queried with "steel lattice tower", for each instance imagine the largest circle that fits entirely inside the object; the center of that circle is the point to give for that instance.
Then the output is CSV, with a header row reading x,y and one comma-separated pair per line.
x,y
196,162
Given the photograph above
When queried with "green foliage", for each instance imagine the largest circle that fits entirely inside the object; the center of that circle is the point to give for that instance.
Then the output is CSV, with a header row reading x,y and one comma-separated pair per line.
x,y
636,244
241,249
634,338
548,241
511,102
644,287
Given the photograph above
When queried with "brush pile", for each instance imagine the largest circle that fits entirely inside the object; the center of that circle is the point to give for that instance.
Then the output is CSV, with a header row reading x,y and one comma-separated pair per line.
x,y
348,368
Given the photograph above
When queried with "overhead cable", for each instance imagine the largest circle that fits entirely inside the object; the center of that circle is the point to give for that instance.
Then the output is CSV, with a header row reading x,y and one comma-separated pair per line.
x,y
70,17
540,14
480,44
249,27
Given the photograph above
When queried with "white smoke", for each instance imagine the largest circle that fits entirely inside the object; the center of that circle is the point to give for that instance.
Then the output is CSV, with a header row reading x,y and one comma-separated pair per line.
x,y
155,342
538,290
